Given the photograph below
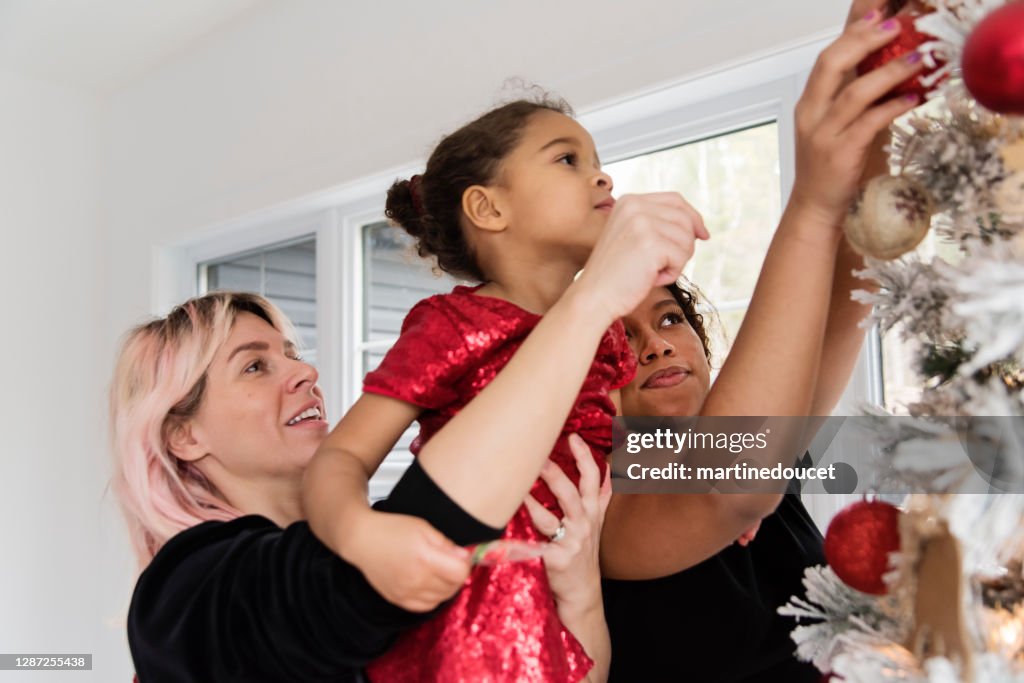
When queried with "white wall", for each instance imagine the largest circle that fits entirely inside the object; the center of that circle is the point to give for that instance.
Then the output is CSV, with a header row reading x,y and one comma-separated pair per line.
x,y
296,97
61,544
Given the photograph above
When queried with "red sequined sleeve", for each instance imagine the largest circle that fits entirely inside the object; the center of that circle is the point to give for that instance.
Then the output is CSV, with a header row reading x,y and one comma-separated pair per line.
x,y
625,360
421,367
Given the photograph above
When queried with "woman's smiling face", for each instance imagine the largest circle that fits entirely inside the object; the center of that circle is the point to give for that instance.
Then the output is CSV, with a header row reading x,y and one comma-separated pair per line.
x,y
673,374
262,413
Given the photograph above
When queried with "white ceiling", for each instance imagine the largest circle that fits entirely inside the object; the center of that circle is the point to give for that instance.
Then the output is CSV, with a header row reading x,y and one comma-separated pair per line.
x,y
101,45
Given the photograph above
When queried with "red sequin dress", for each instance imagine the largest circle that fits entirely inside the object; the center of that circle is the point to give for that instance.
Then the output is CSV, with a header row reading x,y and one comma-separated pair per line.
x,y
503,625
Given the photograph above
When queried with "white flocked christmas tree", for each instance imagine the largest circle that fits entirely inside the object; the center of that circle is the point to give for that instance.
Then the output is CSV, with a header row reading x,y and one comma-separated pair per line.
x,y
954,608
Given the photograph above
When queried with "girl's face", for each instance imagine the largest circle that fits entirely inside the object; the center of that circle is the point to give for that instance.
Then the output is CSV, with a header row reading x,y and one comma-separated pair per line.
x,y
551,185
256,387
672,375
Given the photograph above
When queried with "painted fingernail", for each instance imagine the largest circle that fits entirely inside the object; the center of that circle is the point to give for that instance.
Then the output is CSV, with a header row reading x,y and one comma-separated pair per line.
x,y
911,98
871,16
913,58
888,25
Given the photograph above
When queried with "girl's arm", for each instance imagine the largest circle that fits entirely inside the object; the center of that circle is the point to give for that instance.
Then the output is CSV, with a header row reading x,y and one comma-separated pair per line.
x,y
773,367
487,457
408,562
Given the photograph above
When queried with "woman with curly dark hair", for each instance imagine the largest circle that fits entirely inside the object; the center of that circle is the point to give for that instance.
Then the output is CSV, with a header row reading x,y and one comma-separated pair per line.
x,y
705,608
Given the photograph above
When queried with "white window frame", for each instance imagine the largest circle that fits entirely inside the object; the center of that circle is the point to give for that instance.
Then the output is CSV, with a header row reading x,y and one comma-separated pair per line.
x,y
758,90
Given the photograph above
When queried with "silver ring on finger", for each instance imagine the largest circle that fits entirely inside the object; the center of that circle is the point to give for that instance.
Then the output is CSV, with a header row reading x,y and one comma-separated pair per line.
x,y
559,534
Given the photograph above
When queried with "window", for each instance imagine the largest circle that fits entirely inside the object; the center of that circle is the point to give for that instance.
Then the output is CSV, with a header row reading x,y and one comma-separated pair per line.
x,y
283,273
395,278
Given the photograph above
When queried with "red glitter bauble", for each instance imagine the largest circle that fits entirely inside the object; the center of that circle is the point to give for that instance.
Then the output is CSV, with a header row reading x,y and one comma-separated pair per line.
x,y
858,543
993,60
907,41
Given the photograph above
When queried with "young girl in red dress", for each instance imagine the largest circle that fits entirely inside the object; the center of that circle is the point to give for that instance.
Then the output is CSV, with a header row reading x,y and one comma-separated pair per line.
x,y
515,200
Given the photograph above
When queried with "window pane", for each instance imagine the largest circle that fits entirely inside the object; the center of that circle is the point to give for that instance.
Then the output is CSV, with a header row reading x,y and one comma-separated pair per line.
x,y
285,274
733,181
395,278
729,324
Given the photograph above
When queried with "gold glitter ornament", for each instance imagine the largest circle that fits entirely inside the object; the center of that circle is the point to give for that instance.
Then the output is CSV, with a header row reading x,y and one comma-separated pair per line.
x,y
889,218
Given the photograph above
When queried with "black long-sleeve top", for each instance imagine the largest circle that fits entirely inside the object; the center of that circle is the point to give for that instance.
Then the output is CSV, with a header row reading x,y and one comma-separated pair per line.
x,y
246,600
717,622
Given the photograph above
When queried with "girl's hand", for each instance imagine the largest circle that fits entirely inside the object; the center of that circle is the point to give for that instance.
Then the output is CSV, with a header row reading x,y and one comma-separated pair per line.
x,y
572,562
645,244
839,116
747,536
409,562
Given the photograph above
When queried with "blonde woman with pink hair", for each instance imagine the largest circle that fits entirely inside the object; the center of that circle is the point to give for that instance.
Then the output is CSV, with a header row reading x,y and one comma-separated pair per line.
x,y
214,418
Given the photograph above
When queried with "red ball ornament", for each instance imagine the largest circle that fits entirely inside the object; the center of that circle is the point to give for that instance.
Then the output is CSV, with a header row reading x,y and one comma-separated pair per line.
x,y
993,60
908,40
858,543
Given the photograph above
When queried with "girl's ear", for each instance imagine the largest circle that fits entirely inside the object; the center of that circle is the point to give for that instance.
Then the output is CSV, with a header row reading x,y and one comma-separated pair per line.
x,y
482,206
182,442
